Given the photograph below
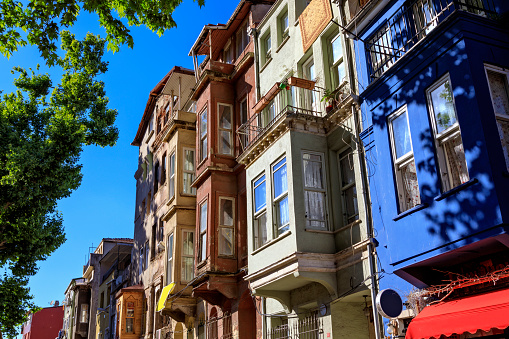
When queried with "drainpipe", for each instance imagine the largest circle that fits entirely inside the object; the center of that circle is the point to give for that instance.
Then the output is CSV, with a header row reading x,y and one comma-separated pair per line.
x,y
365,184
254,33
370,246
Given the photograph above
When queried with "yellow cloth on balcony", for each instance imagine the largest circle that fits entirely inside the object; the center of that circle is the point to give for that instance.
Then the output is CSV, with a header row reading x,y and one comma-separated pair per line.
x,y
164,295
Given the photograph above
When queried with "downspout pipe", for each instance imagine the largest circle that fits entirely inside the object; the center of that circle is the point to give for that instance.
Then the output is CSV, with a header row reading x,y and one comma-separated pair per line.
x,y
362,160
254,34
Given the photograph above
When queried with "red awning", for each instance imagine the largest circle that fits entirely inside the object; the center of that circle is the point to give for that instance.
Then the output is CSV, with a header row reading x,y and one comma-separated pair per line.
x,y
481,312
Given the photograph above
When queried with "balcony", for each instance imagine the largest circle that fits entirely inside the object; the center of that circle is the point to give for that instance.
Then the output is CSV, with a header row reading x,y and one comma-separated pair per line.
x,y
412,23
297,99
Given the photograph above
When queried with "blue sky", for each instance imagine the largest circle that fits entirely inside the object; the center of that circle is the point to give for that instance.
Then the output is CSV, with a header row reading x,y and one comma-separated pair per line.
x,y
104,204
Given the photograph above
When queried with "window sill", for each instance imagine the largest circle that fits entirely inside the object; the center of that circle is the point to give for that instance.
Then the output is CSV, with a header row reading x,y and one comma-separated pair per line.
x,y
223,256
314,230
188,195
170,200
411,211
201,263
282,43
202,161
456,189
265,65
264,246
149,136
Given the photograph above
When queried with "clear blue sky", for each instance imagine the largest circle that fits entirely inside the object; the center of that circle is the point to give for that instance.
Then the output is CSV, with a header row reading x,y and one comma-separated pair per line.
x,y
104,204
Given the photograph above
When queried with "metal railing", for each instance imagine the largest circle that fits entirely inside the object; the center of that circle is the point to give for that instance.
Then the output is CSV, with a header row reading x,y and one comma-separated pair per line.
x,y
310,327
410,24
306,102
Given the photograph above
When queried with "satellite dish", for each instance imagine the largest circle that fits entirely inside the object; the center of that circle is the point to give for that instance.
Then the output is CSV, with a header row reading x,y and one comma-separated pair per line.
x,y
389,303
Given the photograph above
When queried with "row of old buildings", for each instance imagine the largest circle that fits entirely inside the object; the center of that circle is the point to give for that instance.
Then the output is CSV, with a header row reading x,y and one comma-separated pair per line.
x,y
317,154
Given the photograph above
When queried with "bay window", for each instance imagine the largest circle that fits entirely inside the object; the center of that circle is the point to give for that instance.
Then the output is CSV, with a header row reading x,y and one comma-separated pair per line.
x,y
225,129
280,197
226,223
187,270
314,190
452,164
403,160
202,255
260,212
499,90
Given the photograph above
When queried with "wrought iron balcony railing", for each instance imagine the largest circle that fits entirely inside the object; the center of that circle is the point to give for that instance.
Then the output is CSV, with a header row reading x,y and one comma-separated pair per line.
x,y
410,24
299,101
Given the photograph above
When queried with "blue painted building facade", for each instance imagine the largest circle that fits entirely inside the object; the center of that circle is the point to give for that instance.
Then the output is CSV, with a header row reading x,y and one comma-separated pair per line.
x,y
433,81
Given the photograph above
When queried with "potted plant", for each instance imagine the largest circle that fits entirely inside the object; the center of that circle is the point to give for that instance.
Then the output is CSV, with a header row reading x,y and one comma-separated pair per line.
x,y
328,97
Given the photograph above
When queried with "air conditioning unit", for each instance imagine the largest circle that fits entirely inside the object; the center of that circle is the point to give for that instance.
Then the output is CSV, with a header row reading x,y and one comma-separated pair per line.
x,y
158,334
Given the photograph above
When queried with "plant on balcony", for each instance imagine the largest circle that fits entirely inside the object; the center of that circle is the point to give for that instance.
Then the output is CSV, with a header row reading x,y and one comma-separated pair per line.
x,y
328,97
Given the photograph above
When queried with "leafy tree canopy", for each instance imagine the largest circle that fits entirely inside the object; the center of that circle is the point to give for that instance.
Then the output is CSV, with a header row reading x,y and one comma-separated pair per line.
x,y
43,129
42,20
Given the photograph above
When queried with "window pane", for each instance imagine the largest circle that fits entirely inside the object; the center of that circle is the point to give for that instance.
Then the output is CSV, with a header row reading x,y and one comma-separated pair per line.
x,y
203,217
188,244
411,197
129,328
260,192
347,172
260,230
443,107
280,179
225,117
203,148
402,141
203,123
315,208
188,160
226,212
187,269
203,247
337,50
283,215
188,179
499,92
352,211
458,171
313,172
225,142
225,241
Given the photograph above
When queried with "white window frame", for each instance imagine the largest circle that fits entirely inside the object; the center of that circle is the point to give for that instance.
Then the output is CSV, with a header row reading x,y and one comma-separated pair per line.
x,y
450,133
187,189
141,260
187,256
171,180
169,258
311,99
279,229
202,250
266,43
203,135
84,313
284,31
402,161
501,119
257,215
221,129
322,190
336,65
146,254
342,154
222,226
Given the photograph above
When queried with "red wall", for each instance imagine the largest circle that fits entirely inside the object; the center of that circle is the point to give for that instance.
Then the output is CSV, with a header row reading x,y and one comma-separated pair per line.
x,y
46,323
